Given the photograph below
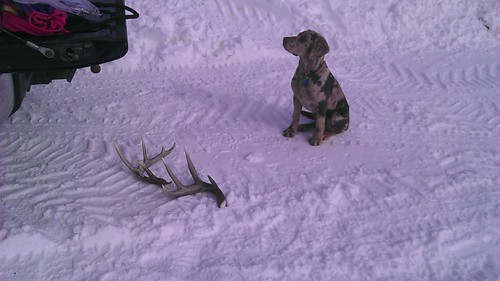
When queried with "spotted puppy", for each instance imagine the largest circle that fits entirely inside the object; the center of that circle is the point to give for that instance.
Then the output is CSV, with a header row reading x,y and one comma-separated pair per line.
x,y
315,88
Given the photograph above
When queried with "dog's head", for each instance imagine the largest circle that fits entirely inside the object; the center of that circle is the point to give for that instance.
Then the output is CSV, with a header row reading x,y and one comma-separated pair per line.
x,y
308,44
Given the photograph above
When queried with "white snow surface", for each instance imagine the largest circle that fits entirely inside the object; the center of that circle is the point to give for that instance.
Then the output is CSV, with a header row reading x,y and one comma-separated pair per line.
x,y
410,192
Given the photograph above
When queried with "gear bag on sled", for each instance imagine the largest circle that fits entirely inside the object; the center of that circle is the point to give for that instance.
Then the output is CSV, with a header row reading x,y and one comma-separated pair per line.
x,y
44,40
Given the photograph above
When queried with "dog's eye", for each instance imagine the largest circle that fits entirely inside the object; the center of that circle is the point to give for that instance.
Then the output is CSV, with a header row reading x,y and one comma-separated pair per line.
x,y
302,39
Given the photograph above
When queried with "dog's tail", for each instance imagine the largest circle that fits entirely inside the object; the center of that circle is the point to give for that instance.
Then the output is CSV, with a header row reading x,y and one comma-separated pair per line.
x,y
308,114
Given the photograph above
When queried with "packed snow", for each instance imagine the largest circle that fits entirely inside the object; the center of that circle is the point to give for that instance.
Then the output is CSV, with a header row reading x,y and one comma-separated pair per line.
x,y
409,192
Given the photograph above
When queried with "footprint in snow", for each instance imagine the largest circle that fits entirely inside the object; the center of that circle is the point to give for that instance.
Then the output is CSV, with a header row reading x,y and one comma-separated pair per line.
x,y
254,157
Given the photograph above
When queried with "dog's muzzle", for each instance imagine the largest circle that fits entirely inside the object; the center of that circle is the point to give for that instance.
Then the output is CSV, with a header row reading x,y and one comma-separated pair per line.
x,y
287,44
286,41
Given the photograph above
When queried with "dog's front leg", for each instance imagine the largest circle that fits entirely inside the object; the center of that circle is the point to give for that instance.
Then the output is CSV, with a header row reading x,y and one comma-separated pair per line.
x,y
292,130
320,125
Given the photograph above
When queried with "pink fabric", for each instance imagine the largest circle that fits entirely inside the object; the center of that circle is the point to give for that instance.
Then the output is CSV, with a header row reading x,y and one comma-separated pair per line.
x,y
38,24
48,24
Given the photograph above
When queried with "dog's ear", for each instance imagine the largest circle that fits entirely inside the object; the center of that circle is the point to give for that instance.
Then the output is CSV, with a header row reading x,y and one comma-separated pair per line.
x,y
320,47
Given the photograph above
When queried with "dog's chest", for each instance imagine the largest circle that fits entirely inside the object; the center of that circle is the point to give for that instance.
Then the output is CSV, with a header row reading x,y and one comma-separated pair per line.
x,y
309,91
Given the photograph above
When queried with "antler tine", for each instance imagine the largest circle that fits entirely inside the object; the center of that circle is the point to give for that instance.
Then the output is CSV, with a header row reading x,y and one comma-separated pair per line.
x,y
173,177
198,186
192,169
163,153
144,152
221,198
212,187
145,164
124,160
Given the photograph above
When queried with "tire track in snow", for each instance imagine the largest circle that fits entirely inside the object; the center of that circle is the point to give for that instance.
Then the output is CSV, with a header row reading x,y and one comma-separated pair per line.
x,y
401,228
432,117
485,76
471,117
262,13
96,193
104,193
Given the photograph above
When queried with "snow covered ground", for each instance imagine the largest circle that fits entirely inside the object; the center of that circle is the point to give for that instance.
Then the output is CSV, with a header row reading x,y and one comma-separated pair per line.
x,y
410,192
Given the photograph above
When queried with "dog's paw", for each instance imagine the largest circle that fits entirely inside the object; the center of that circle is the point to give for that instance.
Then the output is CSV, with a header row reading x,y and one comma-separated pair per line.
x,y
316,140
290,132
